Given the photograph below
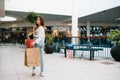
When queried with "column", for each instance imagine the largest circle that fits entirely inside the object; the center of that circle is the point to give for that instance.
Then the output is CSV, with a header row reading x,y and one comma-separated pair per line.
x,y
2,8
74,23
88,30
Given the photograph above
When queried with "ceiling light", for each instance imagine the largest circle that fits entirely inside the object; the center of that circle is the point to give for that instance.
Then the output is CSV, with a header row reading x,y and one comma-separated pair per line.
x,y
117,19
8,18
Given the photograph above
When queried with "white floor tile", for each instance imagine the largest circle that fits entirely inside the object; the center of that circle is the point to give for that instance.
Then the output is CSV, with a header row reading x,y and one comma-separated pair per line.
x,y
57,67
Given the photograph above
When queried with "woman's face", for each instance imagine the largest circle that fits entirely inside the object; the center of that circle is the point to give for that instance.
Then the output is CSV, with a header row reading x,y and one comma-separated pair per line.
x,y
38,21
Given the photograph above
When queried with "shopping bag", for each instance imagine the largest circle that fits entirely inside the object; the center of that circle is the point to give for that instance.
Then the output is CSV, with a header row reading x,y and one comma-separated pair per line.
x,y
69,53
28,43
32,57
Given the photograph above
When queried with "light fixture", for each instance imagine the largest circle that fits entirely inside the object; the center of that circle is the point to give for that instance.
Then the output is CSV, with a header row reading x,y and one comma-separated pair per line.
x,y
117,19
8,19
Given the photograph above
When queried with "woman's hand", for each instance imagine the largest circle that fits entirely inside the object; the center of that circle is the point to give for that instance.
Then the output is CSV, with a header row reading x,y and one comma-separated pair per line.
x,y
32,43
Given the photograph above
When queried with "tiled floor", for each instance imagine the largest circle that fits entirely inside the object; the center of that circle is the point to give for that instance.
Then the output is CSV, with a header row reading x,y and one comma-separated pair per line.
x,y
56,67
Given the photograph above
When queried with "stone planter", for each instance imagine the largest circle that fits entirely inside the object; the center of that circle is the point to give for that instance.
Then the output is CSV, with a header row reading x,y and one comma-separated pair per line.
x,y
49,49
115,52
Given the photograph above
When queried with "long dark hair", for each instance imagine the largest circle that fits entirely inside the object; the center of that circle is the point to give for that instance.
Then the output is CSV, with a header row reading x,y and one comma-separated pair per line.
x,y
41,20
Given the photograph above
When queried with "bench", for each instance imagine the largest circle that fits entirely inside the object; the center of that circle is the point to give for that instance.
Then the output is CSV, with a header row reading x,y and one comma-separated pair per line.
x,y
92,50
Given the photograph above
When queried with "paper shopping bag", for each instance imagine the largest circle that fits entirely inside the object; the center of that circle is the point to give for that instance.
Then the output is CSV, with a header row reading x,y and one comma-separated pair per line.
x,y
32,57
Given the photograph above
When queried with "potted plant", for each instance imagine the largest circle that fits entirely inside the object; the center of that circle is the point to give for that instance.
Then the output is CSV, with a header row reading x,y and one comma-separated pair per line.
x,y
115,39
31,17
49,48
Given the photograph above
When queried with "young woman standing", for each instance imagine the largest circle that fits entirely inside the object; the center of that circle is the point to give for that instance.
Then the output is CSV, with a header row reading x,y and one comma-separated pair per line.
x,y
39,37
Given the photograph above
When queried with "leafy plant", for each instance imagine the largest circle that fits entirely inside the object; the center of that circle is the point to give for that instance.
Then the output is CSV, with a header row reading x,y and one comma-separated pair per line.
x,y
49,47
31,17
48,38
115,37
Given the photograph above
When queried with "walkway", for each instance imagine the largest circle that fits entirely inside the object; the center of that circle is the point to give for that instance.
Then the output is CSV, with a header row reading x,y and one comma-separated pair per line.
x,y
56,67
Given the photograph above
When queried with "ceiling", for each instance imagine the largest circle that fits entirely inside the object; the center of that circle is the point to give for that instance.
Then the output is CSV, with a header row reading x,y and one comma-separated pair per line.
x,y
106,16
47,17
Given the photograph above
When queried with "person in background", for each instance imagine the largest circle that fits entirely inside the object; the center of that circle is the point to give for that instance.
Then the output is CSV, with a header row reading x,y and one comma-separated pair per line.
x,y
55,39
23,38
30,35
39,37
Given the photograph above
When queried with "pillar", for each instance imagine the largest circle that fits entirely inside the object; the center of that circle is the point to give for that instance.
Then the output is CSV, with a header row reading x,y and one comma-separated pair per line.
x,y
74,23
88,30
2,8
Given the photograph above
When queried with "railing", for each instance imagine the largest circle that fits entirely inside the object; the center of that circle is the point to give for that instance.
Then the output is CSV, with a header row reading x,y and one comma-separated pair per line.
x,y
96,41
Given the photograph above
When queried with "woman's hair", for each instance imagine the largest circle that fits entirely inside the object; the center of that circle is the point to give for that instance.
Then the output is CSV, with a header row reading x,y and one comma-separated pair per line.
x,y
41,20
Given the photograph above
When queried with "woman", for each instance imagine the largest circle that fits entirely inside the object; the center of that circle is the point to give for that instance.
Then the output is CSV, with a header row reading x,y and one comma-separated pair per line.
x,y
55,38
39,36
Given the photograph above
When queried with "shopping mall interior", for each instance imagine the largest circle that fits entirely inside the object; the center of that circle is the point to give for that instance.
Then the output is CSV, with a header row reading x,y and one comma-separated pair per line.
x,y
70,23
100,23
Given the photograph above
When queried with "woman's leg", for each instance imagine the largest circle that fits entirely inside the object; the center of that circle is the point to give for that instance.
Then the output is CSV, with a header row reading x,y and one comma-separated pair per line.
x,y
33,71
42,58
33,68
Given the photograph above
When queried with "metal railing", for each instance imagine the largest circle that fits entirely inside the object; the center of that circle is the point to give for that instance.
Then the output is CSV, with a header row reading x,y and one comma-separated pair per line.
x,y
96,41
